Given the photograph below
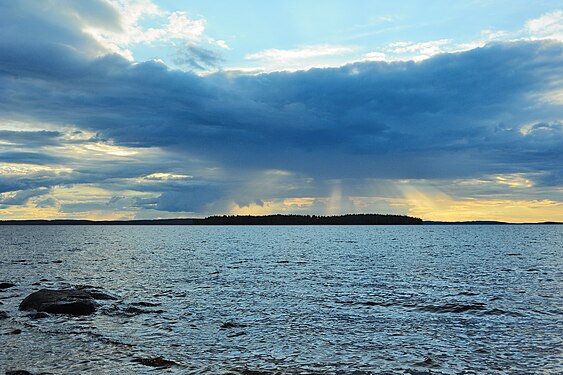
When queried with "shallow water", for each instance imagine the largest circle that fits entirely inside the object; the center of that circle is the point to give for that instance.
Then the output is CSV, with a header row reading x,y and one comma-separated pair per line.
x,y
303,299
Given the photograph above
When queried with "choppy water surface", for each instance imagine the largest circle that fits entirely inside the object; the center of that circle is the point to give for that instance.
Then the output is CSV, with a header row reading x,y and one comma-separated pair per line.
x,y
329,300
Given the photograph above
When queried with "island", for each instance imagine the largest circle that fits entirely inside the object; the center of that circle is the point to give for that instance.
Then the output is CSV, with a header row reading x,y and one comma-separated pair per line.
x,y
349,219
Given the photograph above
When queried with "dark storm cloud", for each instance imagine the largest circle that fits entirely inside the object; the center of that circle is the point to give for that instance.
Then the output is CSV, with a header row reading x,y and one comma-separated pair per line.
x,y
28,158
451,116
30,138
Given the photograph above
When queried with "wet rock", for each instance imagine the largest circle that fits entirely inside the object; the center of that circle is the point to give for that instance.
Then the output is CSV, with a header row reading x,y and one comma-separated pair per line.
x,y
229,325
145,304
38,315
97,294
6,285
428,362
135,310
453,308
155,362
120,310
417,372
102,296
63,301
470,294
256,372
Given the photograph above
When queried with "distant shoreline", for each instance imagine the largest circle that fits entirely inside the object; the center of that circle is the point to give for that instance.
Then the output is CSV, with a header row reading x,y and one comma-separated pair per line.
x,y
351,219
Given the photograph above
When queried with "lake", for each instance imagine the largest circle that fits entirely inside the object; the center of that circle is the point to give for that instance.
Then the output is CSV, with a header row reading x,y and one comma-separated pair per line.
x,y
289,299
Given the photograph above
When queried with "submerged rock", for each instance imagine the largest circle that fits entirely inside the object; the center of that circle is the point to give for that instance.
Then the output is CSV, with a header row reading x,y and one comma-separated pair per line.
x,y
256,372
96,293
6,285
155,362
145,304
3,315
453,307
228,325
63,301
18,372
38,315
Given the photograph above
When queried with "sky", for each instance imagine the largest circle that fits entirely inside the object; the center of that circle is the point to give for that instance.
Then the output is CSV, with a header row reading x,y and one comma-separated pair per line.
x,y
139,109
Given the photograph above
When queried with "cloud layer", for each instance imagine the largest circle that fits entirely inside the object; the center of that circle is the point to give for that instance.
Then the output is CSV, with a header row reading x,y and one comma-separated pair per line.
x,y
249,138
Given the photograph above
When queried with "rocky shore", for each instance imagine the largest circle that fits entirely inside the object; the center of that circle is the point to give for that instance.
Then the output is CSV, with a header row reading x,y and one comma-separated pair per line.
x,y
86,300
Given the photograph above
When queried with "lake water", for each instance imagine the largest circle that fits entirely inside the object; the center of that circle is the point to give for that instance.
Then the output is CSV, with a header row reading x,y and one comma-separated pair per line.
x,y
296,299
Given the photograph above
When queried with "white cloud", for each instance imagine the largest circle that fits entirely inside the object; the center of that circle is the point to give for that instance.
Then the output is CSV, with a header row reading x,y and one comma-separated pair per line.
x,y
420,51
170,27
548,26
298,54
218,43
166,176
318,55
374,56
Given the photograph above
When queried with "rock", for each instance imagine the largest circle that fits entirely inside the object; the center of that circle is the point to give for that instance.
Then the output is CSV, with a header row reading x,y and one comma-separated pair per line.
x,y
428,362
145,304
16,332
132,310
6,285
63,301
228,325
3,315
18,372
96,293
255,372
38,315
155,362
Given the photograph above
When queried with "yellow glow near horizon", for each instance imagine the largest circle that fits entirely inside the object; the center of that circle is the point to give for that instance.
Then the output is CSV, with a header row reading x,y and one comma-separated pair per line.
x,y
441,207
72,195
278,206
428,206
254,209
299,202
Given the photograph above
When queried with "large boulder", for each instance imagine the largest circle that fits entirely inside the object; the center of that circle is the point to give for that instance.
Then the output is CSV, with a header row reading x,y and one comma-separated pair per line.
x,y
63,301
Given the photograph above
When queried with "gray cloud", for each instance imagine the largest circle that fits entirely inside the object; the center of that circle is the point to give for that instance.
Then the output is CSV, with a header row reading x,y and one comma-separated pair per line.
x,y
22,197
451,116
30,138
197,57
